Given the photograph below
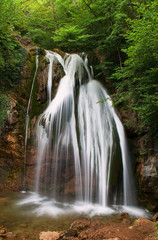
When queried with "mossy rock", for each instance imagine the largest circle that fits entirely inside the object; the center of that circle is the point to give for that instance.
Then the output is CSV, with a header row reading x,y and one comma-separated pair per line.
x,y
61,53
41,52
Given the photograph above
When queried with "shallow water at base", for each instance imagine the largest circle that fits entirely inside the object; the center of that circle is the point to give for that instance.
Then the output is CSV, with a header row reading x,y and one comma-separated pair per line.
x,y
24,222
27,214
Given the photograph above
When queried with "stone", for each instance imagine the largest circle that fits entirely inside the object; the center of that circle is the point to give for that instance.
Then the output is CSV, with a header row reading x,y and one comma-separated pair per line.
x,y
48,235
150,175
142,221
155,217
25,236
23,225
81,224
2,231
71,233
11,235
122,216
113,238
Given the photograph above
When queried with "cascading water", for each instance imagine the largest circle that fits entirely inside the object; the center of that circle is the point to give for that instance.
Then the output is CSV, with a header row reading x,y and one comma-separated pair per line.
x,y
51,57
82,150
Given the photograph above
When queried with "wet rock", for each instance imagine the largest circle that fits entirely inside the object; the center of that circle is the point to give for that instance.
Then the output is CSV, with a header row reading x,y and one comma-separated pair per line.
x,y
23,225
122,216
42,81
25,237
81,224
96,230
155,217
144,226
12,117
3,231
12,140
113,238
70,233
142,221
149,178
126,221
58,73
11,235
48,235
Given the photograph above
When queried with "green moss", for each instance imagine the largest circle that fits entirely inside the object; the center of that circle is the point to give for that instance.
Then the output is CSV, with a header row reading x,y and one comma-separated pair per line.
x,y
23,92
36,108
156,225
41,52
12,174
31,63
45,61
4,106
12,58
61,53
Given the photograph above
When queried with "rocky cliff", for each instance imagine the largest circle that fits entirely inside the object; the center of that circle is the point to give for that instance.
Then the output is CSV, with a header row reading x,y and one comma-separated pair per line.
x,y
13,133
16,159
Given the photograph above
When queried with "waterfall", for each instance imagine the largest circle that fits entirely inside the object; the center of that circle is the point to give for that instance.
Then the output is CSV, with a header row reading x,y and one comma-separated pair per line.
x,y
82,149
51,56
27,118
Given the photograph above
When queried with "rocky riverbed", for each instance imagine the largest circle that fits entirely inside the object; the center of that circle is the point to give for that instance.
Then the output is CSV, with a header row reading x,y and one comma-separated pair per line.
x,y
122,227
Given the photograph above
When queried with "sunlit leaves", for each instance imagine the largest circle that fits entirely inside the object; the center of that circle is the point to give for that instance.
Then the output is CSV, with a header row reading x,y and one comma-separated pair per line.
x,y
139,75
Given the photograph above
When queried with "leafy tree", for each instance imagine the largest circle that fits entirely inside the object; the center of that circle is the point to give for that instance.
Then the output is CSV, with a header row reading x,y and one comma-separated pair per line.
x,y
138,79
40,22
11,53
85,25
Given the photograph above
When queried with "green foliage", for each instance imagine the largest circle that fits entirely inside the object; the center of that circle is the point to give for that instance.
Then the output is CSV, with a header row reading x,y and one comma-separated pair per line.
x,y
4,106
12,57
38,22
11,53
137,80
87,25
156,225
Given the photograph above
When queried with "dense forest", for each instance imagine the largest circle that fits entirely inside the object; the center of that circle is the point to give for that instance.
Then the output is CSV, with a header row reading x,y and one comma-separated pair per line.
x,y
122,32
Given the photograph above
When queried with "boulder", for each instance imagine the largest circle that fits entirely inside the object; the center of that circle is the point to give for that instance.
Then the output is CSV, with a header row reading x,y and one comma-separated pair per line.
x,y
48,235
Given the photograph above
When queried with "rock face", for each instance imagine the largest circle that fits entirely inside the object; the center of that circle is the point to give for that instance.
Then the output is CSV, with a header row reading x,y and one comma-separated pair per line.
x,y
12,138
149,182
146,171
150,175
13,154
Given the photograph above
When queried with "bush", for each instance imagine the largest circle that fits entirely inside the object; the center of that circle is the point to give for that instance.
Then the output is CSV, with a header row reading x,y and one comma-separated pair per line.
x,y
12,57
